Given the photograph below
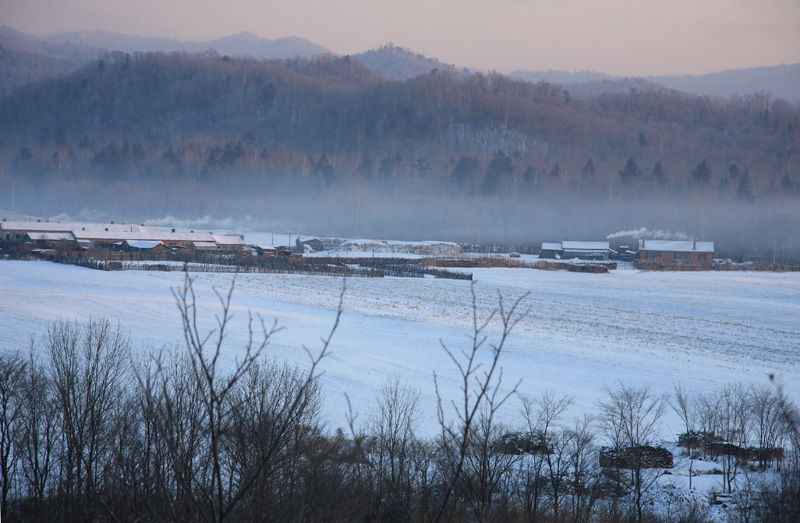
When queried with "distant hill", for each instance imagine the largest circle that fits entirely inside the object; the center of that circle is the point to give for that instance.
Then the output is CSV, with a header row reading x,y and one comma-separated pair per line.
x,y
25,58
782,81
588,85
203,113
243,44
561,77
20,67
397,63
326,139
618,86
74,51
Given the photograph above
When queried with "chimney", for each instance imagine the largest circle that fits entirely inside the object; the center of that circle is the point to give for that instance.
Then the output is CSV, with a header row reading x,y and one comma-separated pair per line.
x,y
173,230
695,245
643,240
112,222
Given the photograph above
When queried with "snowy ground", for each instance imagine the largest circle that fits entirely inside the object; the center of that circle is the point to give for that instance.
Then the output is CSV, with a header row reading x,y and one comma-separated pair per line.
x,y
585,332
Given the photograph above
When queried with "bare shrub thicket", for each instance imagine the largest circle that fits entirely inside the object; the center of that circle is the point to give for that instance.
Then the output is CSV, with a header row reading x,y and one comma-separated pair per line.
x,y
91,430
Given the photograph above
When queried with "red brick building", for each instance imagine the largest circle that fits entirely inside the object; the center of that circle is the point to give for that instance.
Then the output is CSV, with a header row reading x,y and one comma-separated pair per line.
x,y
676,251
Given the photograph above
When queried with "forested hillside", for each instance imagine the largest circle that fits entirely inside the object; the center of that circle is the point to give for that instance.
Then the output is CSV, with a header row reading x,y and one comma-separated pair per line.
x,y
224,125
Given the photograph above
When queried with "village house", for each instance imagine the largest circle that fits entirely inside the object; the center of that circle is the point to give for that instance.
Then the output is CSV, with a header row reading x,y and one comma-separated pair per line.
x,y
676,251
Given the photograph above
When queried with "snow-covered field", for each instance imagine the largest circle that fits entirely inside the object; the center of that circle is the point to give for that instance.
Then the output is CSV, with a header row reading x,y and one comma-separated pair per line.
x,y
584,332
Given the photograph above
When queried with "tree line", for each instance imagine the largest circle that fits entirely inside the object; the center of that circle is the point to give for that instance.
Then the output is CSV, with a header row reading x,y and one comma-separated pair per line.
x,y
206,117
91,432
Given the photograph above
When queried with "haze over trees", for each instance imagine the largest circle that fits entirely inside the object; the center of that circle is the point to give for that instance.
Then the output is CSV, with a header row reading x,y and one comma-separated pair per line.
x,y
325,137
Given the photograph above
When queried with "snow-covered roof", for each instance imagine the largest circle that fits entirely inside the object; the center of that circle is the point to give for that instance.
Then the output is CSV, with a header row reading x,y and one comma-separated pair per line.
x,y
551,246
74,226
52,236
144,236
204,245
231,239
303,239
675,246
143,244
585,246
120,232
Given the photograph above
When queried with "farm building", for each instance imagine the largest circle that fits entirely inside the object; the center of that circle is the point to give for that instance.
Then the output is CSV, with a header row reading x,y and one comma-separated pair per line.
x,y
49,240
574,249
142,246
228,242
551,251
62,232
586,250
306,243
86,235
676,251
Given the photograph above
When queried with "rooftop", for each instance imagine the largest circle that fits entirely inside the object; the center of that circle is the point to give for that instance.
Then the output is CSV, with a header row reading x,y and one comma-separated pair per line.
x,y
676,245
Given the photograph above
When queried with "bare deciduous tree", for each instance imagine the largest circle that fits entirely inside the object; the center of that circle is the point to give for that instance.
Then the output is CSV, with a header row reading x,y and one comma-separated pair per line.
x,y
217,382
540,416
88,364
392,427
12,376
38,436
765,415
481,392
684,406
630,419
732,428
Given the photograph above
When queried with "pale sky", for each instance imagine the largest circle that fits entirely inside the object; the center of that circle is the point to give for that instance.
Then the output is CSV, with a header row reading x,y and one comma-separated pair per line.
x,y
619,37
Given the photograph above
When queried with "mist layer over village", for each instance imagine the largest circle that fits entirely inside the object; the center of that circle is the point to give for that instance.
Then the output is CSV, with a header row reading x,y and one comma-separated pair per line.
x,y
247,275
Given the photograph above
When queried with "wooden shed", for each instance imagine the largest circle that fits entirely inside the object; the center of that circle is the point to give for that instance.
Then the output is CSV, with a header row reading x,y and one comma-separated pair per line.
x,y
306,243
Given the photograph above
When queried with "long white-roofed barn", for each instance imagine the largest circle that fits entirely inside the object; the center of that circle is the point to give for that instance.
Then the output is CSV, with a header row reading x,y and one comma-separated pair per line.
x,y
93,235
586,250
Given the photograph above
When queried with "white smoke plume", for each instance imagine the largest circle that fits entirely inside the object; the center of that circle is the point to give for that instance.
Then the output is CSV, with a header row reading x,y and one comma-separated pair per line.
x,y
644,232
198,223
85,215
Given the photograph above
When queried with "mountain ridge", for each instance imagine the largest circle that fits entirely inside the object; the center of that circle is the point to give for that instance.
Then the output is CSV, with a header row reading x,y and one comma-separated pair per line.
x,y
390,61
782,81
245,44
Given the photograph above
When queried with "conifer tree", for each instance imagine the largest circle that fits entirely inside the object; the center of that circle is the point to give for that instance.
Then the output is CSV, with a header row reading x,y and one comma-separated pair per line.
x,y
702,173
630,172
744,191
